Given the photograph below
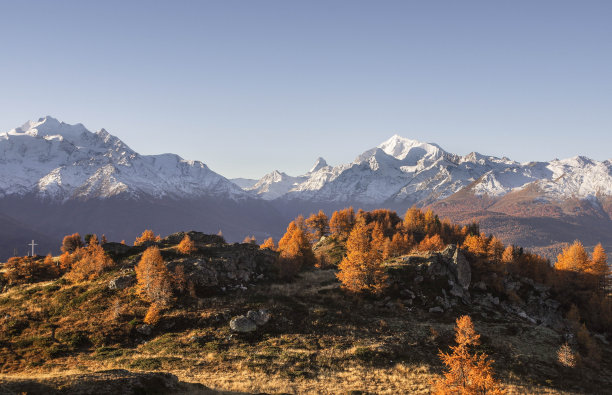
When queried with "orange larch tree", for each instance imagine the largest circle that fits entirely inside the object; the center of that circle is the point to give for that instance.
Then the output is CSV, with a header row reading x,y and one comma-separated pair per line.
x,y
88,263
72,242
573,258
362,270
269,244
431,243
318,224
146,236
467,372
295,250
342,222
186,246
154,278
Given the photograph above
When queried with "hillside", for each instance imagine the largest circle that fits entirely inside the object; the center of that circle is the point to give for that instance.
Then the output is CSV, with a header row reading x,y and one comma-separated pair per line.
x,y
238,321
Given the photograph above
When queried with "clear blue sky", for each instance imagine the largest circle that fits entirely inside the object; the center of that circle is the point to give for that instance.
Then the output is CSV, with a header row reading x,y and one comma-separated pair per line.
x,y
250,86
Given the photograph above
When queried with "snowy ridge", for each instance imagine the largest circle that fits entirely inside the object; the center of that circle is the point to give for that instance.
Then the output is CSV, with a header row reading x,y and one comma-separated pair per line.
x,y
408,171
59,161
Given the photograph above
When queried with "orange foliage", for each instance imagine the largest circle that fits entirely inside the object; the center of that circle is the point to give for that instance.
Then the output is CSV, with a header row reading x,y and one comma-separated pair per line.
x,y
250,240
71,243
88,263
414,220
467,373
399,244
153,278
146,236
431,243
153,314
23,270
476,244
342,222
269,244
295,249
318,224
186,246
361,270
573,258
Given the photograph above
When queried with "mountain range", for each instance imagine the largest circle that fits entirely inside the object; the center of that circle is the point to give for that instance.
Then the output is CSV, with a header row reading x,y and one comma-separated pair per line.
x,y
57,178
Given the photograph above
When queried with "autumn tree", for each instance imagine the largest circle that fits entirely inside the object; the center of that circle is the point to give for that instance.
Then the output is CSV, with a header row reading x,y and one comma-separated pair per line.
x,y
573,258
71,243
414,221
432,224
342,222
88,263
467,372
399,244
508,255
295,250
269,244
20,270
495,250
362,270
431,243
318,224
186,246
598,266
146,236
476,244
154,283
250,240
566,356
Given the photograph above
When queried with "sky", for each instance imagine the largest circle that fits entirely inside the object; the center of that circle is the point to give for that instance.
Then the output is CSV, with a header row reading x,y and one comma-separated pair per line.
x,y
252,86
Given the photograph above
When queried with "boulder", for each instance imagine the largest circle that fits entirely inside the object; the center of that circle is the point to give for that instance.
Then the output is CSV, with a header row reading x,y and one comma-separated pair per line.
x,y
259,317
144,329
242,324
462,268
121,282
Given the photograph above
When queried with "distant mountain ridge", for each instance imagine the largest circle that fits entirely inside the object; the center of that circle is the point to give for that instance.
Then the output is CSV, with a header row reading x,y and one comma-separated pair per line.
x,y
59,161
407,171
57,178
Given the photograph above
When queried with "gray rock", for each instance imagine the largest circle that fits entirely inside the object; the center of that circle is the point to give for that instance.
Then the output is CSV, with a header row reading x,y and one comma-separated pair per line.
x,y
259,317
144,329
121,282
436,309
463,269
242,324
480,285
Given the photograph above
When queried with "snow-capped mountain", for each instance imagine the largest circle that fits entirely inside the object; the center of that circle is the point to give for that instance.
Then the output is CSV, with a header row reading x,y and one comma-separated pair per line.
x,y
59,161
401,170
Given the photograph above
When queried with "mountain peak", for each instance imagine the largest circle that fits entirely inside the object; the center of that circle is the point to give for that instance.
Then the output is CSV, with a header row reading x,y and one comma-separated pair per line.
x,y
410,150
319,164
49,126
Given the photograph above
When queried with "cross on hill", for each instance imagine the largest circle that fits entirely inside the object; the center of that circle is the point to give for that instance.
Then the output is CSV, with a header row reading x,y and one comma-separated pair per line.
x,y
32,244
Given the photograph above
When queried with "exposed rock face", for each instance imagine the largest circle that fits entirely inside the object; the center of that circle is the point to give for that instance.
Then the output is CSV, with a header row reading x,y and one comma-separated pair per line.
x,y
116,249
227,266
118,382
121,282
242,324
196,237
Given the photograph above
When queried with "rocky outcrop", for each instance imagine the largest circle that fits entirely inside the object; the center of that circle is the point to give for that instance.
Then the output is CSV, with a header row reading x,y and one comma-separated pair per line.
x,y
117,381
121,282
196,237
227,266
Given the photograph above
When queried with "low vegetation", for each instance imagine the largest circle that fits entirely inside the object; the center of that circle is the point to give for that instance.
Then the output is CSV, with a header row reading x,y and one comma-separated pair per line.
x,y
353,301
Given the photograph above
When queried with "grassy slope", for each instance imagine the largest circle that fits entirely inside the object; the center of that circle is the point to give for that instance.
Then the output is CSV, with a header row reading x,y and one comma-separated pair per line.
x,y
319,340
